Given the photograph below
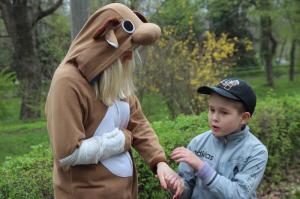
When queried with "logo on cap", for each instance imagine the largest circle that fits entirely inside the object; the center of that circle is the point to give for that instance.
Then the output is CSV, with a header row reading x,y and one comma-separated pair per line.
x,y
227,84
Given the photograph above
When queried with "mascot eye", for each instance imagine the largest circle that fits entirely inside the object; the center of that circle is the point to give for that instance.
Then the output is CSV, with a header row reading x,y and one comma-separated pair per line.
x,y
128,26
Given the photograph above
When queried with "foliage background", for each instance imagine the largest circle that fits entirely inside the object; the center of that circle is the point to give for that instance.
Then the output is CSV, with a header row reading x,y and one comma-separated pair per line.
x,y
271,123
202,42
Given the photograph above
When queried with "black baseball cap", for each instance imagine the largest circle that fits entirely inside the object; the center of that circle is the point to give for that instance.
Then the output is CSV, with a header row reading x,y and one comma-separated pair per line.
x,y
234,89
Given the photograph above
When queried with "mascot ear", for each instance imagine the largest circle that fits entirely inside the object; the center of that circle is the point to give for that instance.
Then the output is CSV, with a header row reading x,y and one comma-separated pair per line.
x,y
107,32
141,17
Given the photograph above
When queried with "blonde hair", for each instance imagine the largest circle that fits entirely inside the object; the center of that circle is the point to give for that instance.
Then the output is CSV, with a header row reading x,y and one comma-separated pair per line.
x,y
115,82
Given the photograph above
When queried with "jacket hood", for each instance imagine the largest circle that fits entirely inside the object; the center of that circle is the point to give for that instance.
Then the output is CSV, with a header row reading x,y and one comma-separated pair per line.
x,y
107,34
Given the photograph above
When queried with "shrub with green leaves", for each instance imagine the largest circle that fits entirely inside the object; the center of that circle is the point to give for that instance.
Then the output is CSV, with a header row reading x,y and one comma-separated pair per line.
x,y
276,123
171,134
28,176
7,79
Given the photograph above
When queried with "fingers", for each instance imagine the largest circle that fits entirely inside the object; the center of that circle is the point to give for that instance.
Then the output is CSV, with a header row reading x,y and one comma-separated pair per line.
x,y
180,154
178,160
162,180
163,171
171,180
179,188
175,183
179,150
177,194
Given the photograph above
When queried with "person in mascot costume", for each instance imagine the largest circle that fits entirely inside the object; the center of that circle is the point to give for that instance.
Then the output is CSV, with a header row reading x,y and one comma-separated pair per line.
x,y
93,116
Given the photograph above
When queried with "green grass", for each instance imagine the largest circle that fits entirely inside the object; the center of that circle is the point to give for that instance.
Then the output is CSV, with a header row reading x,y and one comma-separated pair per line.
x,y
17,138
256,71
282,86
256,77
21,126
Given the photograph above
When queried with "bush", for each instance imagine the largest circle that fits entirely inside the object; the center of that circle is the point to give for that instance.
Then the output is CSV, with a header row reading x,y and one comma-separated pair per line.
x,y
28,176
171,135
276,122
187,63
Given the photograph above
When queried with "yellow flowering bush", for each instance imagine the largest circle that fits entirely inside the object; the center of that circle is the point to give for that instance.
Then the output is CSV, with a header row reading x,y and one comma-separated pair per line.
x,y
177,66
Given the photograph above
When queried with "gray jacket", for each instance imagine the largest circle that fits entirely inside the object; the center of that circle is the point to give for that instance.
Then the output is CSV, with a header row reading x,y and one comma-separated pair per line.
x,y
238,162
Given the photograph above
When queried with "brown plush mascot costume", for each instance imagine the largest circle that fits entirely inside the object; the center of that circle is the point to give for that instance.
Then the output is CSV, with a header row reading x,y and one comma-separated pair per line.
x,y
91,142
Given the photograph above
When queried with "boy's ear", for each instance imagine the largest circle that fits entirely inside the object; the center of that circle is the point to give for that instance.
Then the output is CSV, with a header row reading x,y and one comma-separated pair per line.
x,y
245,117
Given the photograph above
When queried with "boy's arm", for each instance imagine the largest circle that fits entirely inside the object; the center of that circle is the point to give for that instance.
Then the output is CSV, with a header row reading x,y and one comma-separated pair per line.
x,y
188,175
244,184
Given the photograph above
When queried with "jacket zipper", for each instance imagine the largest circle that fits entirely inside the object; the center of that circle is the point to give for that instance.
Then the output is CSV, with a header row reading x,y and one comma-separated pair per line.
x,y
222,152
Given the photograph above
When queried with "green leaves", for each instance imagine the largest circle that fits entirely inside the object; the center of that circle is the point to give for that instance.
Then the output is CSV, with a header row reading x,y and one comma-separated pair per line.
x,y
276,123
28,176
7,80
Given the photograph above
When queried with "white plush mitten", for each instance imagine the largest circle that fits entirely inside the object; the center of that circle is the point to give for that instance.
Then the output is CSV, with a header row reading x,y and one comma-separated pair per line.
x,y
96,148
114,143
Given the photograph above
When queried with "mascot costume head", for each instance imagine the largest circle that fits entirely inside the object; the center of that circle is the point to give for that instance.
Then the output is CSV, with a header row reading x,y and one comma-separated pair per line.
x,y
108,33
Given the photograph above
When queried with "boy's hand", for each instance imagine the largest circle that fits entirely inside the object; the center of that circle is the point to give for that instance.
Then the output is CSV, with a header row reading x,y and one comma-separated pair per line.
x,y
175,184
182,154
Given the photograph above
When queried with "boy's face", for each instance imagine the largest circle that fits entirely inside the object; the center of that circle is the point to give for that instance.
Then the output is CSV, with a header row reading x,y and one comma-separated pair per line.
x,y
224,116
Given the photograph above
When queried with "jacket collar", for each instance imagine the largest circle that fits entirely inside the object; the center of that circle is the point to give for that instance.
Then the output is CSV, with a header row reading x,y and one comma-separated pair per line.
x,y
234,137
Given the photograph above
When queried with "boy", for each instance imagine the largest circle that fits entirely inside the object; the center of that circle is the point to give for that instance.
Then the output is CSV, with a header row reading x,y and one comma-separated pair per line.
x,y
228,161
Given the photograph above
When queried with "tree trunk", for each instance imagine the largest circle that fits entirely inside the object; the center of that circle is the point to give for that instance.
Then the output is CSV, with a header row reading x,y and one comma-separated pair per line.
x,y
28,70
268,43
265,49
80,11
292,60
25,60
20,19
172,107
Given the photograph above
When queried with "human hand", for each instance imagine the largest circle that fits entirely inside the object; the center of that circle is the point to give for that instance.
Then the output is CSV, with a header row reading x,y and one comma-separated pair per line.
x,y
182,154
163,170
175,184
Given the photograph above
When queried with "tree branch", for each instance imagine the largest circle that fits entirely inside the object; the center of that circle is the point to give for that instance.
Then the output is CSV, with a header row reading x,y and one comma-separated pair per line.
x,y
43,13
